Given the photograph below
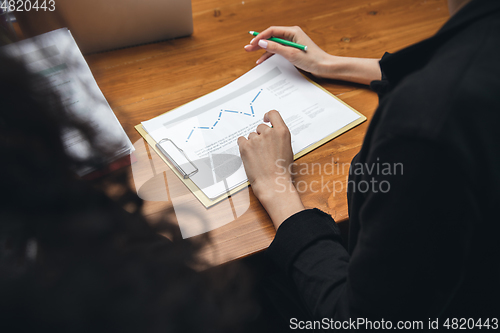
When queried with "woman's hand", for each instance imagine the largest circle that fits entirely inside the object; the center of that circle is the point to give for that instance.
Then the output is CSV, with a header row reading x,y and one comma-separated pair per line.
x,y
314,60
267,156
309,61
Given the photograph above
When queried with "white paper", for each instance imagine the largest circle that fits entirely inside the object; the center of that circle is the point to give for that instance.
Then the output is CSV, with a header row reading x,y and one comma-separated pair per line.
x,y
207,129
56,56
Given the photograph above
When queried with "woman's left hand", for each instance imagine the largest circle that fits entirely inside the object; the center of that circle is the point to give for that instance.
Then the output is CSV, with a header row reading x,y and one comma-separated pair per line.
x,y
267,156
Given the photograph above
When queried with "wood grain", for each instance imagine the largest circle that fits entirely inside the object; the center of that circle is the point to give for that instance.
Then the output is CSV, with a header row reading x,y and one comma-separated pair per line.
x,y
145,81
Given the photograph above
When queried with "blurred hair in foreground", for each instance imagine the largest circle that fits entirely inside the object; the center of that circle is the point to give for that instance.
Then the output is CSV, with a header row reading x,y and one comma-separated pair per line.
x,y
75,259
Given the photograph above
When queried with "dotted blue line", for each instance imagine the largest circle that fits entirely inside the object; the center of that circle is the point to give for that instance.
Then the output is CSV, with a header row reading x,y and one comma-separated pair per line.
x,y
256,96
230,111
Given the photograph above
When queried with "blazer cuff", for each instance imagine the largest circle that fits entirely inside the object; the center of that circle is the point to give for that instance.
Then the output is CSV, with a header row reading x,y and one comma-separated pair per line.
x,y
382,86
298,232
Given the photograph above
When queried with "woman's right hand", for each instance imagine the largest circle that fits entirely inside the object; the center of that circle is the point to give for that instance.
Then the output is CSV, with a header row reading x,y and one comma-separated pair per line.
x,y
314,60
310,61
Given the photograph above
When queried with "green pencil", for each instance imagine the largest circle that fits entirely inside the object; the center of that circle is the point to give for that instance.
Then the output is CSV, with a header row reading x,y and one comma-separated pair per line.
x,y
282,41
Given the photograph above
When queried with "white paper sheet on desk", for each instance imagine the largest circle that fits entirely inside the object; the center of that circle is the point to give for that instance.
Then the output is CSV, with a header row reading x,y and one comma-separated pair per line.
x,y
207,129
56,56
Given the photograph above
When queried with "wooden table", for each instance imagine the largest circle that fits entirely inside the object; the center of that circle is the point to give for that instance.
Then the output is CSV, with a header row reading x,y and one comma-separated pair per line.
x,y
145,81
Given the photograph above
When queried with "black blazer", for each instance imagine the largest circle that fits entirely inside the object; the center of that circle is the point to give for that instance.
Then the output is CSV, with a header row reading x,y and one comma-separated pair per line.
x,y
423,191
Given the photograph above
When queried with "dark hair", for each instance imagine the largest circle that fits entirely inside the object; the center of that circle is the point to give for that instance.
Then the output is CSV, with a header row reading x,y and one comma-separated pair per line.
x,y
73,259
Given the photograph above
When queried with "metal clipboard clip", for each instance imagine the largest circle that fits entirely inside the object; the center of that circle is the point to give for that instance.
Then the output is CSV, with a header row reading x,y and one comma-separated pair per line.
x,y
177,157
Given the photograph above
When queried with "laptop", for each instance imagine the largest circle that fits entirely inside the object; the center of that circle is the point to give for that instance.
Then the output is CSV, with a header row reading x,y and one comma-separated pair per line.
x,y
101,25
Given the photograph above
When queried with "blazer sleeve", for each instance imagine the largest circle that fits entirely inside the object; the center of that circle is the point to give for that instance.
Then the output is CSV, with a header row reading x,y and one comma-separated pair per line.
x,y
382,86
409,255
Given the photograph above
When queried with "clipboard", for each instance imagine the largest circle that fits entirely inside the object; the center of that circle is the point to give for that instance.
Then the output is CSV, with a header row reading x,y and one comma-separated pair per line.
x,y
177,158
184,173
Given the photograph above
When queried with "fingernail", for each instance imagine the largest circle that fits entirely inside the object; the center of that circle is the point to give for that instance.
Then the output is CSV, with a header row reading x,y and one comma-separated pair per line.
x,y
263,43
252,40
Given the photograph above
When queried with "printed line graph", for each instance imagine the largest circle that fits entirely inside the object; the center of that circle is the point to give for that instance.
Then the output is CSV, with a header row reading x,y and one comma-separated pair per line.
x,y
222,112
